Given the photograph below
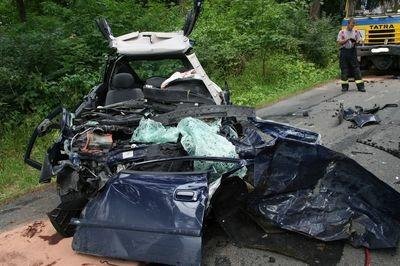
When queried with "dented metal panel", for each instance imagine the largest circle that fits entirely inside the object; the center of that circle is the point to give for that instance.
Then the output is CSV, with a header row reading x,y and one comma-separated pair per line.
x,y
143,216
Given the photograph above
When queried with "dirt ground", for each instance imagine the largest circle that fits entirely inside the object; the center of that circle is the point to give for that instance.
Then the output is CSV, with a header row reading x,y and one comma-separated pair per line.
x,y
313,110
38,244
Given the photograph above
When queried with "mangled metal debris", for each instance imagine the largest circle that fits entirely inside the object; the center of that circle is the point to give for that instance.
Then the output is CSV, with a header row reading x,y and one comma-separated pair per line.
x,y
361,116
139,167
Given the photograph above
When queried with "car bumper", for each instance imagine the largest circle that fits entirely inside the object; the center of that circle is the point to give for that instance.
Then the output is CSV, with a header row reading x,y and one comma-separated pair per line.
x,y
372,50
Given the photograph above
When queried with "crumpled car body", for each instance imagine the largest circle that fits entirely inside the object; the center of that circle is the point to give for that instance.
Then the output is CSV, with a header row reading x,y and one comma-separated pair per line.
x,y
147,200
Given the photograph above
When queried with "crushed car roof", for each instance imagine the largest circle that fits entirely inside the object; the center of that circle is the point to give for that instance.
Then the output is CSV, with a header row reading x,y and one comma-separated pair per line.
x,y
151,43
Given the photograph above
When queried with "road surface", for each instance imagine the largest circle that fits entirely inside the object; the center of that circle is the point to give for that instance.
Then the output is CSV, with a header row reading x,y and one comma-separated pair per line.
x,y
321,104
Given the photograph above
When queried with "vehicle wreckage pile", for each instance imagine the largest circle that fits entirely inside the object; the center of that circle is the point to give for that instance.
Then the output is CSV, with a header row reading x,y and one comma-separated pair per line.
x,y
141,163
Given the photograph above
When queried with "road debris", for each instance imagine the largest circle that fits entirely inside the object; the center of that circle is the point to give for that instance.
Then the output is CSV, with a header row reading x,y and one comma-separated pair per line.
x,y
394,152
361,152
33,229
361,116
367,257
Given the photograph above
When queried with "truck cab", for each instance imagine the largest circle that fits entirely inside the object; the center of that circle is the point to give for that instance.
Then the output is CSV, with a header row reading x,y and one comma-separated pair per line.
x,y
379,24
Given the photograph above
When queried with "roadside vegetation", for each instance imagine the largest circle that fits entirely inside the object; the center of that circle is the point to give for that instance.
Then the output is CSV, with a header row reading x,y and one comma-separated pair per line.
x,y
53,54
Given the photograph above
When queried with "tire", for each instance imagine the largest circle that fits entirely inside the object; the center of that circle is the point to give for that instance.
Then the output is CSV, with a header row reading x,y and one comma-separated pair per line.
x,y
72,203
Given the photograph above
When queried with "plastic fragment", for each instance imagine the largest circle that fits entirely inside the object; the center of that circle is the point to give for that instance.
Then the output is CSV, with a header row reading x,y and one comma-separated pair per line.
x,y
150,131
201,139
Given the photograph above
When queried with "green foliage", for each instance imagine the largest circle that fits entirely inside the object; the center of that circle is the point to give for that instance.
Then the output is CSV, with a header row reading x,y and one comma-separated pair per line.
x,y
59,52
285,75
16,177
231,32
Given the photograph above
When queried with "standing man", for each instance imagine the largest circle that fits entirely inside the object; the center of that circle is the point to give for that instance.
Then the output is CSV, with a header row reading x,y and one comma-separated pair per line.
x,y
348,39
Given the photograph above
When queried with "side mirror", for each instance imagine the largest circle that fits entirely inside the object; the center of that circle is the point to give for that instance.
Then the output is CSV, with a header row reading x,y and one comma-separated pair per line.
x,y
105,29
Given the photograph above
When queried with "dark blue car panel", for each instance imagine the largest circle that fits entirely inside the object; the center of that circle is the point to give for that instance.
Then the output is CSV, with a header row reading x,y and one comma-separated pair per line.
x,y
146,216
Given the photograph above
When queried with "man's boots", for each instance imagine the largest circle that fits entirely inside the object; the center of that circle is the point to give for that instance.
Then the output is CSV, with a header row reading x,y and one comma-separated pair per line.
x,y
360,86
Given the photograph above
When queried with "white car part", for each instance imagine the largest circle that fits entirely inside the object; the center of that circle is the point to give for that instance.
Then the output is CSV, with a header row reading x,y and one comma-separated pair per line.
x,y
215,91
380,50
151,43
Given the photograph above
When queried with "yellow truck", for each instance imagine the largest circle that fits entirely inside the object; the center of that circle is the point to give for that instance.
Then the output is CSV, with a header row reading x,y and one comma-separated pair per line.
x,y
379,24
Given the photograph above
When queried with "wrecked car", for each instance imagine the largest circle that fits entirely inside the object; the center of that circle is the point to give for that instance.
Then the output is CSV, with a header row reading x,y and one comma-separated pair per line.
x,y
158,146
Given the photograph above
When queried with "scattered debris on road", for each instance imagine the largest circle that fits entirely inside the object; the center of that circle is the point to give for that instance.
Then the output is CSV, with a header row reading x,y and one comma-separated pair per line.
x,y
361,116
368,142
33,229
361,152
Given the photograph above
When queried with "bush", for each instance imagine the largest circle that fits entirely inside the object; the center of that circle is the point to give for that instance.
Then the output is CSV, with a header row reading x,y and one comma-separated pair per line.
x,y
59,50
284,74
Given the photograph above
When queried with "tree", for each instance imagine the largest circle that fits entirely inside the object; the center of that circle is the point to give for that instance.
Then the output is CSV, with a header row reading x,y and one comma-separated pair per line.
x,y
21,10
315,9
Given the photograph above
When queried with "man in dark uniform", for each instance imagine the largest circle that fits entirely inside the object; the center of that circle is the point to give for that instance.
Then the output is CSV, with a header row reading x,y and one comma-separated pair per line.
x,y
348,39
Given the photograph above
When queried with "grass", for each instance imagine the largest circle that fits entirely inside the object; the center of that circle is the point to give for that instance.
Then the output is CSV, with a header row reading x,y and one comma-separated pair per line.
x,y
17,178
285,76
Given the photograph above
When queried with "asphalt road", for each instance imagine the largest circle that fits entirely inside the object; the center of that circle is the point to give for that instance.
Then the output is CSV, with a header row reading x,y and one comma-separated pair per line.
x,y
321,104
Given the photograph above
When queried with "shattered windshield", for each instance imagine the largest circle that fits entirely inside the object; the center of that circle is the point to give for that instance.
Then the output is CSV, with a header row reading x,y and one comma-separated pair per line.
x,y
373,7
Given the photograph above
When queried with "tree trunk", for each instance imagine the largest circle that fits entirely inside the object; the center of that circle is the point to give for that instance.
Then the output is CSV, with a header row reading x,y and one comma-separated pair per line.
x,y
351,7
315,9
21,10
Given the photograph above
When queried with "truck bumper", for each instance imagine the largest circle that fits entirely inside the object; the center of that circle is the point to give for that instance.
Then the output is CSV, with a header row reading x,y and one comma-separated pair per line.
x,y
373,50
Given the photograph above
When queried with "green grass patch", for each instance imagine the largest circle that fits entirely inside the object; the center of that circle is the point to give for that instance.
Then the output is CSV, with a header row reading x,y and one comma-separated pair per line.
x,y
17,178
284,75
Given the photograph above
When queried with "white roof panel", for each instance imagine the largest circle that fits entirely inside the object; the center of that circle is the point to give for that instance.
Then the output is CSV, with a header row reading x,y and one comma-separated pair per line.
x,y
151,43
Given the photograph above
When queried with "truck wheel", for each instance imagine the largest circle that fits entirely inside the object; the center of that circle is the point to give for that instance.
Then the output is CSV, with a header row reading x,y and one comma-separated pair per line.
x,y
382,62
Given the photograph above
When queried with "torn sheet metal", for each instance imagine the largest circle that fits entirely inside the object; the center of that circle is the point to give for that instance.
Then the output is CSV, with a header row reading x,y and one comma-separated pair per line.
x,y
285,131
151,216
245,230
309,189
359,118
205,112
362,116
364,119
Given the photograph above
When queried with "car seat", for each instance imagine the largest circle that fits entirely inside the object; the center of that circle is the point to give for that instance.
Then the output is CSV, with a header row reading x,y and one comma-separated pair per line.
x,y
123,88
